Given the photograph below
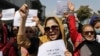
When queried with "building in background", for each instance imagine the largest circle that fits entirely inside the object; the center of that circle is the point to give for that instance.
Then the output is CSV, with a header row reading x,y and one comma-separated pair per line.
x,y
33,4
6,4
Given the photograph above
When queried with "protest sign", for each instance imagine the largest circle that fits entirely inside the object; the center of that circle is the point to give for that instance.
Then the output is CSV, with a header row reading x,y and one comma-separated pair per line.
x,y
29,21
8,14
61,7
1,54
52,48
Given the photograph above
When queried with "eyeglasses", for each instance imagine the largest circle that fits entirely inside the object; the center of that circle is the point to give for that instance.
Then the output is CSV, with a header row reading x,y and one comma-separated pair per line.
x,y
88,32
53,28
29,31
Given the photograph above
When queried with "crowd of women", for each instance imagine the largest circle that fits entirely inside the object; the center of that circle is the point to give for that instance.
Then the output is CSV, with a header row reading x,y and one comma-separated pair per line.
x,y
25,41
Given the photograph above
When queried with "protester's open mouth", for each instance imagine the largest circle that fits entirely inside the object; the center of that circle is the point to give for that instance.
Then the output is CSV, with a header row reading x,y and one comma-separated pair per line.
x,y
52,34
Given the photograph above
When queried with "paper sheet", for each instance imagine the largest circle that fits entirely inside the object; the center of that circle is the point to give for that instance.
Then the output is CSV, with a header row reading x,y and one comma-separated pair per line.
x,y
61,7
52,48
29,21
8,14
1,54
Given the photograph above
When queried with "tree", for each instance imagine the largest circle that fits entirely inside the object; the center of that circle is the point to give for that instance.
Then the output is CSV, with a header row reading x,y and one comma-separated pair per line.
x,y
99,11
84,12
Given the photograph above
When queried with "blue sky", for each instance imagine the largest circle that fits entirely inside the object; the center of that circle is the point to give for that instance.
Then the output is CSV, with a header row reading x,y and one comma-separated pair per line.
x,y
51,5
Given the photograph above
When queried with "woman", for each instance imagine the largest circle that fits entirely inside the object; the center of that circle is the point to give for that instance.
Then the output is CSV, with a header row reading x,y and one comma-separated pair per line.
x,y
96,25
6,47
89,47
86,46
53,31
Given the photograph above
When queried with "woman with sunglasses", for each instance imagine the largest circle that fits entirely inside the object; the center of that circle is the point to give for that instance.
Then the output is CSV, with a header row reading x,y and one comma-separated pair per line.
x,y
89,46
53,31
86,46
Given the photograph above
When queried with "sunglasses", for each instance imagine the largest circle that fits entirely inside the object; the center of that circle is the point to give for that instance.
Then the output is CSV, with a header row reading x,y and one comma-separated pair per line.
x,y
29,31
53,28
88,32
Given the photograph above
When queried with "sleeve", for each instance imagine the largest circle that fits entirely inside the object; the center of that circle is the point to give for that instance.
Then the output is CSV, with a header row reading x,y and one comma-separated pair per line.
x,y
23,41
12,52
75,36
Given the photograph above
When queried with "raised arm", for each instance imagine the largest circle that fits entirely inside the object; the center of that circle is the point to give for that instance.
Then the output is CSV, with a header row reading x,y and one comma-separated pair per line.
x,y
21,39
75,36
41,28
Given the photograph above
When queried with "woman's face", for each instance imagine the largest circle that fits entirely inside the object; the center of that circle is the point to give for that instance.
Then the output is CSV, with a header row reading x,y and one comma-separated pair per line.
x,y
52,29
29,32
97,28
88,33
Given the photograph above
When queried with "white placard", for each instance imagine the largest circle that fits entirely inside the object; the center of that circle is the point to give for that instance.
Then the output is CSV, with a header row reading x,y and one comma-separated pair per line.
x,y
8,14
29,21
1,54
52,48
61,7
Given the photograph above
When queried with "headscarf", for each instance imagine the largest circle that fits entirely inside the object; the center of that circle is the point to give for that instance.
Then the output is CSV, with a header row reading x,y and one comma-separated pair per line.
x,y
93,18
44,38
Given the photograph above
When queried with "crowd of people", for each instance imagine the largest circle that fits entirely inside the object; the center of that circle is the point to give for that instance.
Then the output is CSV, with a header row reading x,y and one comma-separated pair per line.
x,y
80,40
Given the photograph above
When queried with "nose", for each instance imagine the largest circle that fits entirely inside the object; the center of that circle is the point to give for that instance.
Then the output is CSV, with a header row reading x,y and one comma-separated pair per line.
x,y
89,33
50,30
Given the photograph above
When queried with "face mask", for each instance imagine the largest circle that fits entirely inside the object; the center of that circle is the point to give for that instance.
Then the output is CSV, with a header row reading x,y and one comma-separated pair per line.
x,y
97,31
98,38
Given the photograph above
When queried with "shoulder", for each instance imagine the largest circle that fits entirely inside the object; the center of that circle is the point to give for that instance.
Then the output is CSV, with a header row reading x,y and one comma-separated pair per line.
x,y
85,50
44,39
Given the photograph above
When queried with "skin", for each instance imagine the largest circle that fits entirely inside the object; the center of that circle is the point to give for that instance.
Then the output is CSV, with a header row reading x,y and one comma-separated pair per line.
x,y
90,36
41,28
97,25
29,34
67,53
52,35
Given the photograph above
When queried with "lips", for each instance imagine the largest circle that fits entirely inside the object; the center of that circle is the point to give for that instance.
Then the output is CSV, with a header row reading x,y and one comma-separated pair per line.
x,y
51,34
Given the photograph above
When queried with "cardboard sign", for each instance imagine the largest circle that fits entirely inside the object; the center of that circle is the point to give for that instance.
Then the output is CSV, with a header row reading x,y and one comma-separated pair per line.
x,y
52,48
29,21
8,14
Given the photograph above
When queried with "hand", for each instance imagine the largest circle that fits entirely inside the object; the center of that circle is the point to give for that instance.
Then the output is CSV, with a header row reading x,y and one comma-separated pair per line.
x,y
70,5
36,19
67,53
24,11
